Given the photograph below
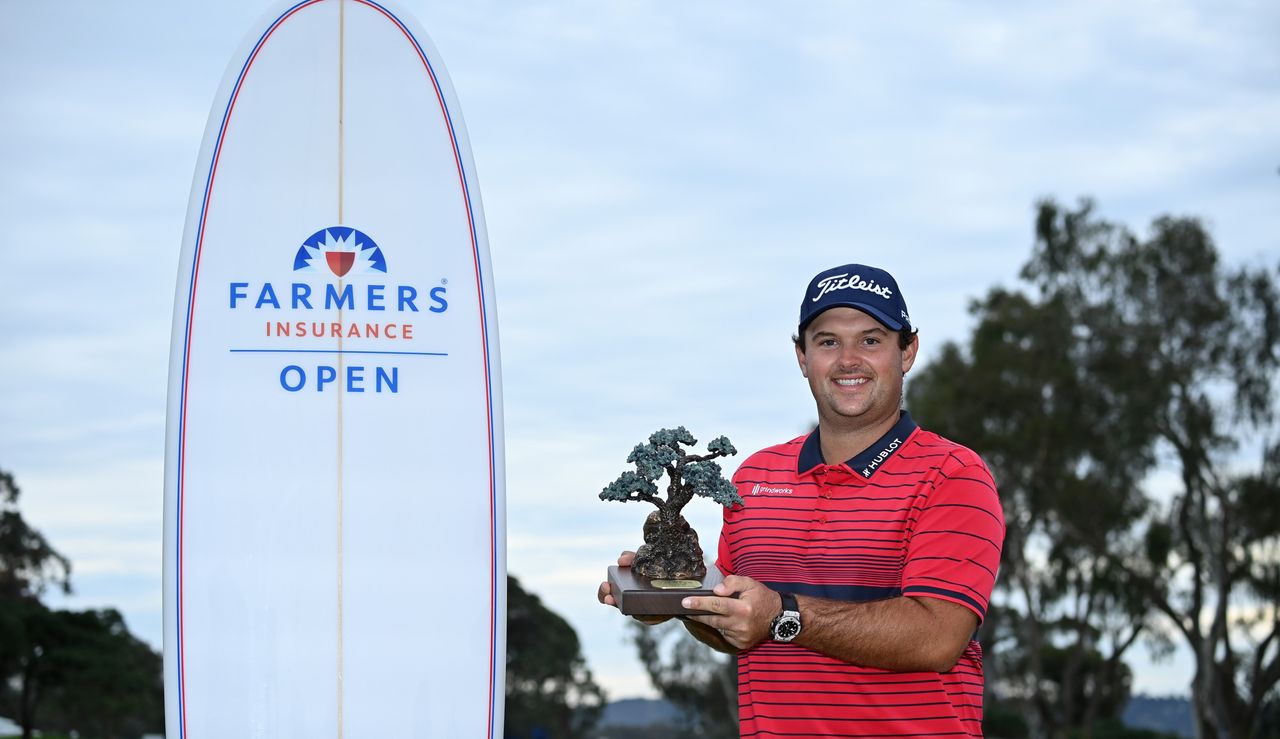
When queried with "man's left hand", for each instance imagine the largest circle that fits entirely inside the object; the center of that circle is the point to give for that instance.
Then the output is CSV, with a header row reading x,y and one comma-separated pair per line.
x,y
743,620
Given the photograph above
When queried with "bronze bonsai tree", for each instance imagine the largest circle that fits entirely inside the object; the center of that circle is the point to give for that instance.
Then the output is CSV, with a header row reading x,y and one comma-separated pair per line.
x,y
670,550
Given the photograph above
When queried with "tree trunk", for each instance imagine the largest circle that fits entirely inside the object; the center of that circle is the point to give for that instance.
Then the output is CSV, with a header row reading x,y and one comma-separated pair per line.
x,y
27,703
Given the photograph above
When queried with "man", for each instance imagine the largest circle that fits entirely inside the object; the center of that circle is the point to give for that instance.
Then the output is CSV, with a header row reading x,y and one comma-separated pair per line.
x,y
863,559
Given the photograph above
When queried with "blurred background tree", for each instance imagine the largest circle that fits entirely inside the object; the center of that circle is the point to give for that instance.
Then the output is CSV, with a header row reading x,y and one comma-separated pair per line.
x,y
28,564
550,691
699,681
66,670
1122,357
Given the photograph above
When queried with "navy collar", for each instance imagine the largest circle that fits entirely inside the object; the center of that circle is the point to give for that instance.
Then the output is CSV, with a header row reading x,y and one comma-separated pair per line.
x,y
865,462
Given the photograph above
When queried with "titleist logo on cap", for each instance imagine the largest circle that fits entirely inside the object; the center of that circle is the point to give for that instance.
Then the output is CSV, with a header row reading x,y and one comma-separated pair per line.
x,y
868,289
845,282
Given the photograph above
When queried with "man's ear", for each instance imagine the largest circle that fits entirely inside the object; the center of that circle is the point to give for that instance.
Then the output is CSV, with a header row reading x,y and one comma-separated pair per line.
x,y
804,368
909,354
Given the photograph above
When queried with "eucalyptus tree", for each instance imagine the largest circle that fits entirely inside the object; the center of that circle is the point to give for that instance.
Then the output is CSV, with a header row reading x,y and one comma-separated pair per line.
x,y
1068,450
1121,356
1207,337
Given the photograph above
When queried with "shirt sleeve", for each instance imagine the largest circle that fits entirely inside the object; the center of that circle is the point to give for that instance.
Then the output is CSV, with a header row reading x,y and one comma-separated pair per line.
x,y
953,551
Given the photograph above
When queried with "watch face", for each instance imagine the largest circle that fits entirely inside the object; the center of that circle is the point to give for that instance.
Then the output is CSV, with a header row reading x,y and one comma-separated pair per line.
x,y
786,629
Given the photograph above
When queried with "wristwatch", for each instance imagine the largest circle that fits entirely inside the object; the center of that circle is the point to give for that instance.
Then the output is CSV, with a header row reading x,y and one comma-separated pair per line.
x,y
786,626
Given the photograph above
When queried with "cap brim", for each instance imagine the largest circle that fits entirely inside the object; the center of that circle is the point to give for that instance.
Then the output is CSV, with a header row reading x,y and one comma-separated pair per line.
x,y
890,323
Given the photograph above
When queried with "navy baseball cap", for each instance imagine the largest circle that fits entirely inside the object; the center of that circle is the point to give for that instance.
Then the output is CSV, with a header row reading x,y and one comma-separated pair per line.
x,y
872,291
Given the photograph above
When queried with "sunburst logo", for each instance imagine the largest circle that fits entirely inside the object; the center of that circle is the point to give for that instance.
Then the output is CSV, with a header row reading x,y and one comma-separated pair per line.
x,y
340,250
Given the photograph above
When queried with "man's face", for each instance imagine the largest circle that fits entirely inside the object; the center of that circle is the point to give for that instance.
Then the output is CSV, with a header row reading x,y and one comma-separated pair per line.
x,y
854,368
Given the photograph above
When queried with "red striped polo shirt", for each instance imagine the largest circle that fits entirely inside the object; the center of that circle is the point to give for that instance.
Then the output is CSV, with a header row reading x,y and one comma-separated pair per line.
x,y
913,515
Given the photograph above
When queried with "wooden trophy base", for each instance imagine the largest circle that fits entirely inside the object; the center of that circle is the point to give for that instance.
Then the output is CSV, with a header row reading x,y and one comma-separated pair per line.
x,y
636,596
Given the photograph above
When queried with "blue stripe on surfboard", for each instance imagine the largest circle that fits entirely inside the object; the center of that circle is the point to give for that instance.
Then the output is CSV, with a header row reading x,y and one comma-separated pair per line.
x,y
186,350
335,351
484,327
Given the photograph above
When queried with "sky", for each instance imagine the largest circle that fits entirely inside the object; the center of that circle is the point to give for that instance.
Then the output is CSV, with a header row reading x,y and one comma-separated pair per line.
x,y
660,180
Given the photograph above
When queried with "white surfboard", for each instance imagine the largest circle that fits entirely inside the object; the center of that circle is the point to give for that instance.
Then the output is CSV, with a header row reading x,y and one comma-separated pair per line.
x,y
334,511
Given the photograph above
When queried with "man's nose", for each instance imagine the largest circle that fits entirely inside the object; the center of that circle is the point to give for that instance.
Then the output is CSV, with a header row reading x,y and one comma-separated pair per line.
x,y
850,357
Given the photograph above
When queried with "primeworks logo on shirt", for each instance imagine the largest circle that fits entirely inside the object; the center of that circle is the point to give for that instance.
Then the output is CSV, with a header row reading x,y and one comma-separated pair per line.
x,y
765,490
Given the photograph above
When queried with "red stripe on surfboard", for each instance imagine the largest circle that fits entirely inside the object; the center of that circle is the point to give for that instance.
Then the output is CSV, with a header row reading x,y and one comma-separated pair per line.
x,y
186,357
191,319
475,251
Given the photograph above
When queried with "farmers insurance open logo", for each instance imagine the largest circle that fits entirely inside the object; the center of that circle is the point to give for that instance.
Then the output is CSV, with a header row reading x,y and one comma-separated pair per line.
x,y
340,303
340,249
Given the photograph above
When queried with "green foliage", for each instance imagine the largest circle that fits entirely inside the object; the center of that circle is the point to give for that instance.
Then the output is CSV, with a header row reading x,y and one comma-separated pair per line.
x,y
1048,400
652,459
1107,684
721,444
1269,718
1124,355
1159,543
28,564
699,681
707,480
672,438
1115,729
68,671
550,691
999,722
1207,340
89,674
689,474
629,486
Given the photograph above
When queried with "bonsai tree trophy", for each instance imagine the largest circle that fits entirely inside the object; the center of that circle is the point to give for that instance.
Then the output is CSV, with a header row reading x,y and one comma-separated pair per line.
x,y
669,565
